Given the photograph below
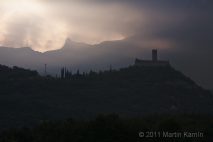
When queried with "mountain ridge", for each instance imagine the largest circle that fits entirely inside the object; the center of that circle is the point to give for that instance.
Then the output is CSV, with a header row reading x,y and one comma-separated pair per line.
x,y
101,56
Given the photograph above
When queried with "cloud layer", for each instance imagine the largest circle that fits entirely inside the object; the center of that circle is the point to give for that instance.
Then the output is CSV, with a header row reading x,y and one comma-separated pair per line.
x,y
45,24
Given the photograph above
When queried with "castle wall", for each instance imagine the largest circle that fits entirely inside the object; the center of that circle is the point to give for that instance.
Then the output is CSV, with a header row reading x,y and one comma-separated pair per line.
x,y
152,63
154,55
149,63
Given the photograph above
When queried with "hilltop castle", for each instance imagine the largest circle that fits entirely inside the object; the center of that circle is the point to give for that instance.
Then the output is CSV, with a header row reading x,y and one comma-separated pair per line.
x,y
152,63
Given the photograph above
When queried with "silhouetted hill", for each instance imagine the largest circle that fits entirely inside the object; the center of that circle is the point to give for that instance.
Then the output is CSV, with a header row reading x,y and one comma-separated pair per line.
x,y
7,73
132,91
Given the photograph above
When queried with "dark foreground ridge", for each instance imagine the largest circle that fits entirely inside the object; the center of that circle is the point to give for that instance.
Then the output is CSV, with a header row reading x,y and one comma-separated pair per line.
x,y
112,128
27,98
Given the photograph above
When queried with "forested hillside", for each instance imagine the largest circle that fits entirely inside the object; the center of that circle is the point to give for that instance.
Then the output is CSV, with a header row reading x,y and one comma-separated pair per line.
x,y
27,98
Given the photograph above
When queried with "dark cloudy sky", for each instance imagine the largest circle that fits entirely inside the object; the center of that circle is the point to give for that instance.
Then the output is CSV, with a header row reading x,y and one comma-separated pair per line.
x,y
45,24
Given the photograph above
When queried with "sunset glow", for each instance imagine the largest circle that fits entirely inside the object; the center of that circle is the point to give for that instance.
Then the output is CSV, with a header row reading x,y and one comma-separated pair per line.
x,y
45,25
22,7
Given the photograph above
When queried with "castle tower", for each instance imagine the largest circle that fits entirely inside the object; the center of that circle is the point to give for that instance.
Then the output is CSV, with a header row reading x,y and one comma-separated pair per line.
x,y
154,55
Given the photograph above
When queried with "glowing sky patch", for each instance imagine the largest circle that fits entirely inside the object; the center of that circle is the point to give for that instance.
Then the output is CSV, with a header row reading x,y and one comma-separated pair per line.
x,y
22,6
45,25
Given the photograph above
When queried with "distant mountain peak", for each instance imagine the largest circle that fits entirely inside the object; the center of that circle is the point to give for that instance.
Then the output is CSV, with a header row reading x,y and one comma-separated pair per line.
x,y
67,43
73,44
